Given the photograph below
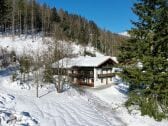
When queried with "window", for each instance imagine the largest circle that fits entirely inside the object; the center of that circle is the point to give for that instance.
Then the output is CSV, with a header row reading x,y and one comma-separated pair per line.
x,y
110,78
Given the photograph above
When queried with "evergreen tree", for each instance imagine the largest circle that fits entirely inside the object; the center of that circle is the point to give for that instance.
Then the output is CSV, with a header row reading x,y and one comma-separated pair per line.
x,y
145,59
5,16
30,17
25,65
48,74
54,16
2,10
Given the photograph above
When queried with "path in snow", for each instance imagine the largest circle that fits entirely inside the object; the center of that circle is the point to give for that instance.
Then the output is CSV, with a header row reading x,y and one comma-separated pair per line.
x,y
103,108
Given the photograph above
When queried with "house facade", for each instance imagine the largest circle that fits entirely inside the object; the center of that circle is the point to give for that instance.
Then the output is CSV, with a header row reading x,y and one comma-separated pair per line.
x,y
87,71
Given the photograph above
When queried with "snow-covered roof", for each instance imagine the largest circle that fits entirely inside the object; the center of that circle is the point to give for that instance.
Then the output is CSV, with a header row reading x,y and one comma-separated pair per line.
x,y
82,61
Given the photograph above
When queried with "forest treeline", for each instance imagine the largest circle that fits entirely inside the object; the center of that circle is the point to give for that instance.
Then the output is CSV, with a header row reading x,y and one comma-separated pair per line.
x,y
30,17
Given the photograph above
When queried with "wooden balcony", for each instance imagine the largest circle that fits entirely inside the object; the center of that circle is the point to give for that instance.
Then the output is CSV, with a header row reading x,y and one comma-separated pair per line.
x,y
106,75
81,75
74,75
86,84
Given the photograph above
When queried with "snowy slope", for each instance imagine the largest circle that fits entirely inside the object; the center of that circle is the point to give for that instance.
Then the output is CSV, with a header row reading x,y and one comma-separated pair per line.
x,y
79,49
124,34
95,107
52,109
115,97
21,45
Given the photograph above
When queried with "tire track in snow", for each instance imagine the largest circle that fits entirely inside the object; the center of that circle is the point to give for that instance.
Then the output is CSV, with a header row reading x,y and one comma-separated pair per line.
x,y
102,108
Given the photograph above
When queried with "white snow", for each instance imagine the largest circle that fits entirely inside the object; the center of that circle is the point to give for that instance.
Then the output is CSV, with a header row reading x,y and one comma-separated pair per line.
x,y
115,97
52,109
79,49
9,115
112,96
95,107
22,45
124,34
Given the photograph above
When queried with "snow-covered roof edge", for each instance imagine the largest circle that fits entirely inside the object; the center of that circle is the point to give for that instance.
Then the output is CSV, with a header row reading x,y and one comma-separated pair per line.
x,y
83,61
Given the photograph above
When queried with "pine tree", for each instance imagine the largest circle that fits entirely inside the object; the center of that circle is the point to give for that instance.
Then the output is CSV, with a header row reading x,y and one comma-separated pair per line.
x,y
145,59
13,19
2,10
54,15
48,74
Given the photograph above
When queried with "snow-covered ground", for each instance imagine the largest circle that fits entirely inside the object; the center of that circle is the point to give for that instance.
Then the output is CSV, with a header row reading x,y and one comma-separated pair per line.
x,y
10,116
115,97
91,107
51,109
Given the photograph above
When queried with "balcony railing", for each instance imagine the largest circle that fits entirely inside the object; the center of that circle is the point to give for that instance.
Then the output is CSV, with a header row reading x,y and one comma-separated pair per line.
x,y
106,75
80,75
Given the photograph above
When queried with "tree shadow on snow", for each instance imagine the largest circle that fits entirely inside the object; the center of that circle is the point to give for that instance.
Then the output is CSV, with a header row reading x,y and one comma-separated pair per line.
x,y
122,89
8,71
45,94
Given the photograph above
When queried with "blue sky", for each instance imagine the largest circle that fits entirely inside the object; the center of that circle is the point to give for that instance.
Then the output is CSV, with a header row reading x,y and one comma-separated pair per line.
x,y
113,15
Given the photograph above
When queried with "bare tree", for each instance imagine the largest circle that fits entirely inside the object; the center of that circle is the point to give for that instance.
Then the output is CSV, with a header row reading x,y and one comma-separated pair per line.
x,y
37,65
62,50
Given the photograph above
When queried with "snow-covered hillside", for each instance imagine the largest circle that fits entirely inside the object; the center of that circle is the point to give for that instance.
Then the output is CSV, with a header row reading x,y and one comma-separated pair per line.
x,y
21,45
124,34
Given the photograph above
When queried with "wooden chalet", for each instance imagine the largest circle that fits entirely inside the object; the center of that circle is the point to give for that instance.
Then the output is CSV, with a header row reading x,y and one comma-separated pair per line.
x,y
88,71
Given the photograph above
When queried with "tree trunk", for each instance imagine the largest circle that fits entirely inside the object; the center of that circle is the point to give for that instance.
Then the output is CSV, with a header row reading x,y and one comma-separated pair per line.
x,y
32,20
20,19
37,91
25,22
13,20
